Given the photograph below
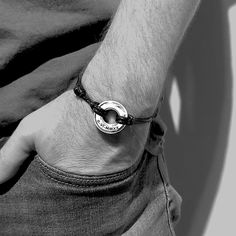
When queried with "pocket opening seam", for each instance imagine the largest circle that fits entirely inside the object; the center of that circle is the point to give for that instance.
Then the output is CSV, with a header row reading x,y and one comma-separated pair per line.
x,y
91,181
167,199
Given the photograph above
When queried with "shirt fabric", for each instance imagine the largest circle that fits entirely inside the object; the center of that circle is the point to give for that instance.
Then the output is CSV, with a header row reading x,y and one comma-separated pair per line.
x,y
44,44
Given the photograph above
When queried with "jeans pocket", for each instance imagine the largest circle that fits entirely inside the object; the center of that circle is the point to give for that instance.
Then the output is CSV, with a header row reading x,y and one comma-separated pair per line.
x,y
101,205
89,182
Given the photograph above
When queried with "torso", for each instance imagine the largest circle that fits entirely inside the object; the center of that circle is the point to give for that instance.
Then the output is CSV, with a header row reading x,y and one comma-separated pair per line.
x,y
34,32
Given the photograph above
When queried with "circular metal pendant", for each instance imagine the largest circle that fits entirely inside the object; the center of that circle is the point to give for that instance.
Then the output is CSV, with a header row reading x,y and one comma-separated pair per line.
x,y
112,128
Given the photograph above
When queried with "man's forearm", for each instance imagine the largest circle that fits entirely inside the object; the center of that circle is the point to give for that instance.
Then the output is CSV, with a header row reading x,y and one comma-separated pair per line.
x,y
130,67
132,62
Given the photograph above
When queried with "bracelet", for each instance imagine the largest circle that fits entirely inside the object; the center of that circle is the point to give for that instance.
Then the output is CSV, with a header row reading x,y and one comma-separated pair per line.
x,y
101,110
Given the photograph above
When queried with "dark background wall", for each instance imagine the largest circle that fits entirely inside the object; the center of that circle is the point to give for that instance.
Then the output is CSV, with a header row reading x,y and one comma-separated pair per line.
x,y
196,153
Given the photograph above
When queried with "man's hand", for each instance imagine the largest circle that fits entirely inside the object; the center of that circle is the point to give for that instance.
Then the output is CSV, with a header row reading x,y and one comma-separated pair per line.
x,y
64,135
35,132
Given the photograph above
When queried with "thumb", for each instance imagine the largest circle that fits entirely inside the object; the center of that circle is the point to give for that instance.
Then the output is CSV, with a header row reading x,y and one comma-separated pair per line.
x,y
15,152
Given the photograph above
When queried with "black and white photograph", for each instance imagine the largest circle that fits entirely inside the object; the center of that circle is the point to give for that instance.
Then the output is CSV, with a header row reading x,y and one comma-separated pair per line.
x,y
117,117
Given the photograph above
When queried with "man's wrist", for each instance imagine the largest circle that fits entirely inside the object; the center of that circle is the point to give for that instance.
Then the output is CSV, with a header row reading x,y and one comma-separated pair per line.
x,y
106,78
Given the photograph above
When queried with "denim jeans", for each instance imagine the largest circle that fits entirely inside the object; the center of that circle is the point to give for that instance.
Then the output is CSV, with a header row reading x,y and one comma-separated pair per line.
x,y
43,200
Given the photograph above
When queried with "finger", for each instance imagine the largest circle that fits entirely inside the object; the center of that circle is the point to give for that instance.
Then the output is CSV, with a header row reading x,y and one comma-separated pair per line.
x,y
14,153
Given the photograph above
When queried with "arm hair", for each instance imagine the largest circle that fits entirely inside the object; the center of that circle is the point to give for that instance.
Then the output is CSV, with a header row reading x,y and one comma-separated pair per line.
x,y
129,67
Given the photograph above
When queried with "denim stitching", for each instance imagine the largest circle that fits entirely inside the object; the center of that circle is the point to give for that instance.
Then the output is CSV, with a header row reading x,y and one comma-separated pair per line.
x,y
80,177
168,211
123,172
119,176
166,197
76,185
74,178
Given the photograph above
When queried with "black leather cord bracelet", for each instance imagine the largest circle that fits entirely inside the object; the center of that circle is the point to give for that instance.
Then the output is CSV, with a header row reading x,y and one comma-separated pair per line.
x,y
100,111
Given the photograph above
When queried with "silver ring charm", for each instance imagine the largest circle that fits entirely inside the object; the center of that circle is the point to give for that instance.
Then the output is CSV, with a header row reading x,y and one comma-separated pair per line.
x,y
113,128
